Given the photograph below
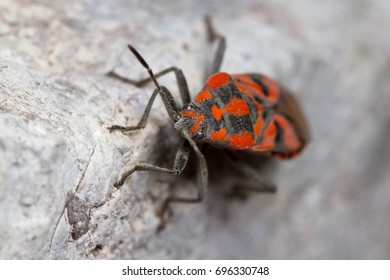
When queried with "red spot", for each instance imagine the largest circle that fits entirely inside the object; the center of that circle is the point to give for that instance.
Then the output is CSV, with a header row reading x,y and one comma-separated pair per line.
x,y
290,139
219,135
217,80
265,145
244,89
197,117
241,141
268,139
258,125
203,96
216,112
251,85
237,107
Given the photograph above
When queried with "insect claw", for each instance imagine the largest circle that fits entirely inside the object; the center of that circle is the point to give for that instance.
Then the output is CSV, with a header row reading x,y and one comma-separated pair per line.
x,y
110,129
110,73
161,226
163,209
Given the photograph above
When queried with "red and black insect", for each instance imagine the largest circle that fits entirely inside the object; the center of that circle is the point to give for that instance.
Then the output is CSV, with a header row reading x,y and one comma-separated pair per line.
x,y
243,112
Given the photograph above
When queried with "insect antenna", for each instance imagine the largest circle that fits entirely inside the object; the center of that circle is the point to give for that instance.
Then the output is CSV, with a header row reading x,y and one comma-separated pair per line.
x,y
144,64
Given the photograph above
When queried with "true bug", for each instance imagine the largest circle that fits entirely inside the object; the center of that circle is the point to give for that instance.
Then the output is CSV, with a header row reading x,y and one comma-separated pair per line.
x,y
243,112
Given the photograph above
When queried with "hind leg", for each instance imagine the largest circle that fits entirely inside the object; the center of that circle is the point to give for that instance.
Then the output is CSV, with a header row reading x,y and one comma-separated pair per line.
x,y
253,181
213,35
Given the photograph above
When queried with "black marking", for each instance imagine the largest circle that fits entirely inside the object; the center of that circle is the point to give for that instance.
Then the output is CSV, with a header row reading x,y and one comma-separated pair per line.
x,y
253,108
258,99
279,133
236,125
257,79
255,94
224,94
211,124
265,114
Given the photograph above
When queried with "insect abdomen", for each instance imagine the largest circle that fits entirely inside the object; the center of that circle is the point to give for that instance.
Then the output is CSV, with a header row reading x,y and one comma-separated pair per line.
x,y
280,127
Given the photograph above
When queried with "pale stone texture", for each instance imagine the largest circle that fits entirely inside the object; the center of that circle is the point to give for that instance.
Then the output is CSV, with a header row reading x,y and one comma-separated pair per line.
x,y
58,162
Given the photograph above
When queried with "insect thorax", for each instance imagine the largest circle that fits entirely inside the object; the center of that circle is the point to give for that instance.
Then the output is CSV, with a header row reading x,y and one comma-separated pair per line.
x,y
219,116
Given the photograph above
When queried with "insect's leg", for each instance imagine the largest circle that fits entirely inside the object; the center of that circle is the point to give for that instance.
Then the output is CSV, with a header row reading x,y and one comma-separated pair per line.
x,y
181,159
180,163
214,35
142,122
168,101
202,175
180,79
255,181
202,179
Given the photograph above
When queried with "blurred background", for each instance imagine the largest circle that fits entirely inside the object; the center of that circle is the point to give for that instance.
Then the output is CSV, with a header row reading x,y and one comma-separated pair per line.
x,y
58,162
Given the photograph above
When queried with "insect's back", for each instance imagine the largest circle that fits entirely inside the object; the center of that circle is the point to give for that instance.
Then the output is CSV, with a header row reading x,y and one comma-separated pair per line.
x,y
250,112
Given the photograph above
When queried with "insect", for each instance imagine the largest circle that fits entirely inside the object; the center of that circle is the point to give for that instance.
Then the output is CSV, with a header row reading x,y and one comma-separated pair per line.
x,y
239,112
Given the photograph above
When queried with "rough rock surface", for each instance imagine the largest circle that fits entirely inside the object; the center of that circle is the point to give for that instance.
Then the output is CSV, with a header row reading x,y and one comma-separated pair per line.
x,y
58,162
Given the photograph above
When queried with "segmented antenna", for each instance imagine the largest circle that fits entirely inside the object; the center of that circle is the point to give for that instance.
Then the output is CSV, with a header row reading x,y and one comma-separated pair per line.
x,y
144,64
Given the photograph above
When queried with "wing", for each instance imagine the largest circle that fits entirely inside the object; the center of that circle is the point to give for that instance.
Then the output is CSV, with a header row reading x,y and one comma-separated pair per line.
x,y
280,126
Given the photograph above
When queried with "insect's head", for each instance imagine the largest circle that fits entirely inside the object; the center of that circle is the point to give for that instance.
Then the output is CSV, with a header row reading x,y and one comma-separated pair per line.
x,y
193,121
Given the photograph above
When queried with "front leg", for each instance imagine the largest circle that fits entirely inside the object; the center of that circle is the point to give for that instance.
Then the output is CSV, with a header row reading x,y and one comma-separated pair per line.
x,y
142,122
169,103
180,163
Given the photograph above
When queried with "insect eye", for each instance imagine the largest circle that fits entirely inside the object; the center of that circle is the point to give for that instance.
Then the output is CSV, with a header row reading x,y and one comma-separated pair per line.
x,y
198,136
191,107
188,107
